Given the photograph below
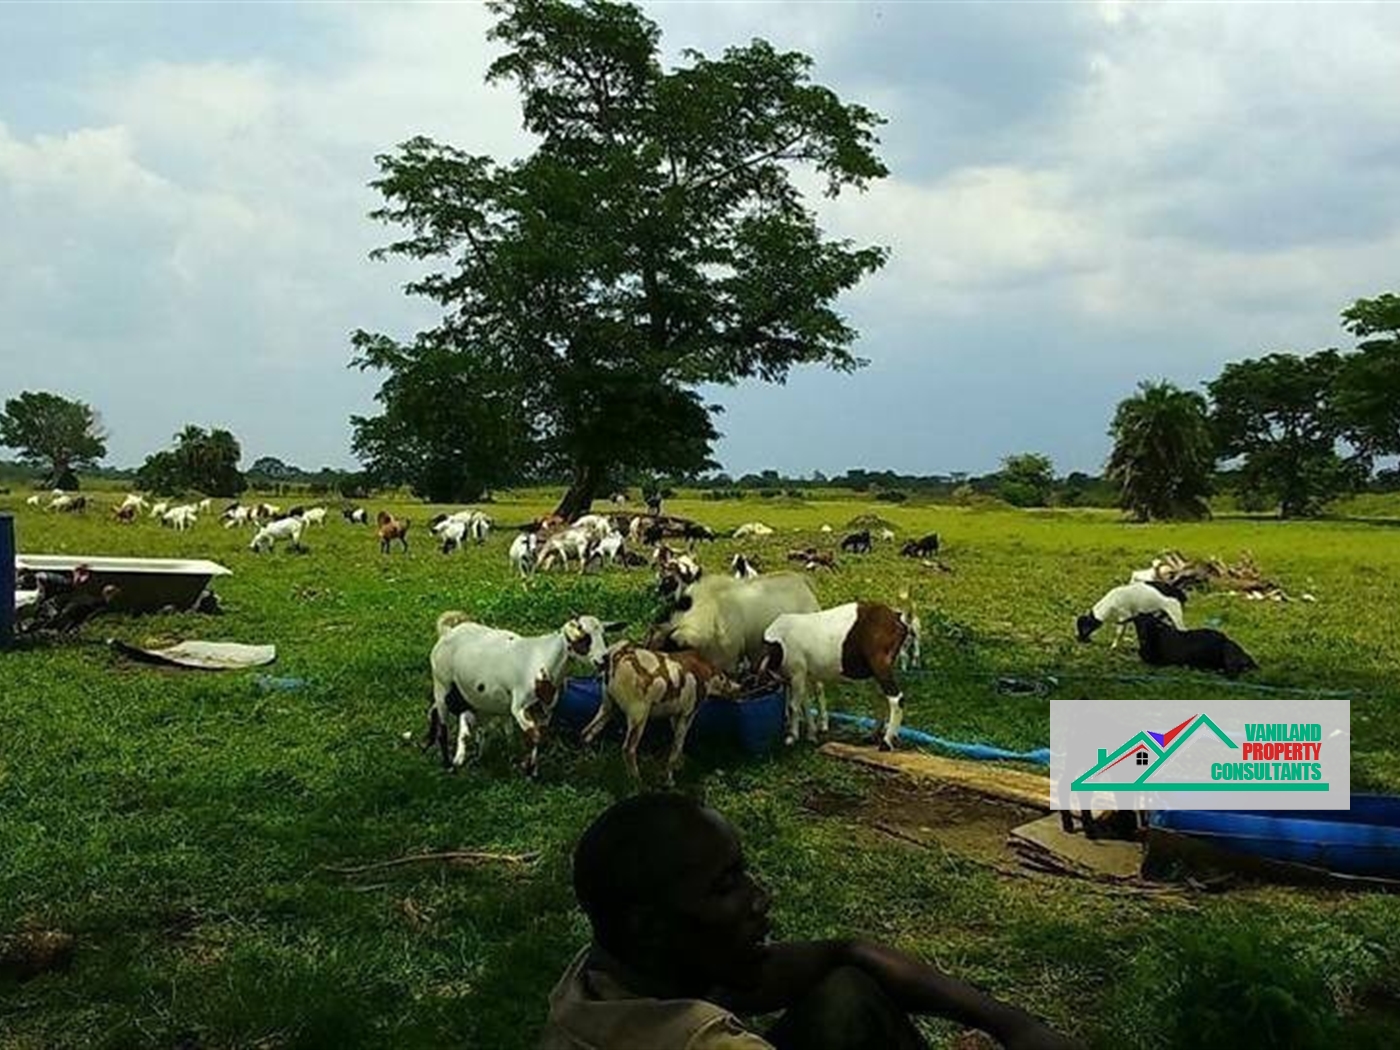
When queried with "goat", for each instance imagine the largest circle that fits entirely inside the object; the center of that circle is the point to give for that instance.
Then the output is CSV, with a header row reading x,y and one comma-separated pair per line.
x,y
34,501
643,684
723,619
180,518
887,535
125,514
743,567
314,516
390,529
857,542
676,575
1162,644
522,553
355,515
237,515
159,508
205,504
484,671
137,503
925,547
1122,603
854,641
811,558
451,533
752,528
282,529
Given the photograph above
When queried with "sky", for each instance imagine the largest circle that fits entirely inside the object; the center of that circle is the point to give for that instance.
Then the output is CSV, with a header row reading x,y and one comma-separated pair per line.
x,y
1081,196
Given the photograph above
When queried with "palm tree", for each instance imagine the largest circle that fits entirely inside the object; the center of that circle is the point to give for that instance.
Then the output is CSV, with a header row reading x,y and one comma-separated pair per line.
x,y
1163,452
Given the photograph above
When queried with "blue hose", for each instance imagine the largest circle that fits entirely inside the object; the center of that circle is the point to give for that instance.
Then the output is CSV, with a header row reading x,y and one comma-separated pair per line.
x,y
980,752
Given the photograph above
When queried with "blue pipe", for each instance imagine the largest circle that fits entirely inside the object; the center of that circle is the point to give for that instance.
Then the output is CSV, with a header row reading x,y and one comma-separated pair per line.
x,y
7,580
980,752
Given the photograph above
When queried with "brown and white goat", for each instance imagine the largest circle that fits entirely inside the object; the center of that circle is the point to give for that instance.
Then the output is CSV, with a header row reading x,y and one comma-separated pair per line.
x,y
854,641
390,529
645,683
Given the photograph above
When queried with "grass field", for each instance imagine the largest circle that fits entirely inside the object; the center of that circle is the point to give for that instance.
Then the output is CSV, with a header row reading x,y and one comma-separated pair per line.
x,y
179,823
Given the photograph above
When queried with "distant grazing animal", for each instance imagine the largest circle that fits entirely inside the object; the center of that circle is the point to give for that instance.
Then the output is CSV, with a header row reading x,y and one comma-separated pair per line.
x,y
522,553
157,509
826,528
180,518
390,529
289,529
646,684
742,567
926,547
1122,603
355,515
854,641
34,501
1161,644
237,515
484,671
126,514
887,535
811,558
857,542
314,516
752,528
134,501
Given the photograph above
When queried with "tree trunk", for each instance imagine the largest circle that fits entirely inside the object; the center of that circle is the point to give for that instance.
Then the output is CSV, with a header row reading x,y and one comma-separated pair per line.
x,y
579,499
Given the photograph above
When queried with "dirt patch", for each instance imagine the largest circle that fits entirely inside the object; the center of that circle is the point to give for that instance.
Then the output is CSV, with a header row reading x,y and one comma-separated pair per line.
x,y
959,821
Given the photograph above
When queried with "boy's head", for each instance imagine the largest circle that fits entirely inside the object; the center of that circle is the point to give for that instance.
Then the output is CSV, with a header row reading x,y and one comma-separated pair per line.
x,y
664,884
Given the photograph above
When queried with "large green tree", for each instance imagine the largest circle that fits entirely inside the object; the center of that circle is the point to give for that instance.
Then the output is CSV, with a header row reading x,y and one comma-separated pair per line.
x,y
1163,453
201,461
1026,479
654,241
1276,412
1366,391
54,433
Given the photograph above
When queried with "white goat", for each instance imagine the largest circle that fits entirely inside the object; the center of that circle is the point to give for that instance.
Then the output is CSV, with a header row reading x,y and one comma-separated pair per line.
x,y
282,529
1122,603
314,516
723,619
855,641
752,528
159,509
485,671
180,518
34,501
522,553
133,500
571,542
451,531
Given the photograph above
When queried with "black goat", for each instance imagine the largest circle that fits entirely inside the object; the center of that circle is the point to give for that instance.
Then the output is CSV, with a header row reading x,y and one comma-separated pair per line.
x,y
857,542
1161,644
924,548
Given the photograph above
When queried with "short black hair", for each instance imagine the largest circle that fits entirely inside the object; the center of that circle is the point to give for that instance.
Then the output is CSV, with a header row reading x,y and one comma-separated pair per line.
x,y
623,859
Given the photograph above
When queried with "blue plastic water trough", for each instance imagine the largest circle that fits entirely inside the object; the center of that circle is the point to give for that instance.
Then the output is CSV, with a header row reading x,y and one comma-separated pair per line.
x,y
1364,840
754,724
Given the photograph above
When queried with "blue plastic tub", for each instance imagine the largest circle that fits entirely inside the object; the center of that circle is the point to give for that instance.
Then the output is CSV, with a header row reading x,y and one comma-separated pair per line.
x,y
1364,840
754,724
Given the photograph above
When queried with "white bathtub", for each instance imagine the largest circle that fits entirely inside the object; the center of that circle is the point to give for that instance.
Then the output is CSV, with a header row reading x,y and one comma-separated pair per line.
x,y
146,584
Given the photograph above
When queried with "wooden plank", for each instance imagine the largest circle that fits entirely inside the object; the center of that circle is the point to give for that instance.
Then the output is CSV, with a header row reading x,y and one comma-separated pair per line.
x,y
1045,839
1009,784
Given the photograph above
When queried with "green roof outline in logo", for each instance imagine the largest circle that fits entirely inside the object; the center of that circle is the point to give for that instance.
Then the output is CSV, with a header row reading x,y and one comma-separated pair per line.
x,y
1080,783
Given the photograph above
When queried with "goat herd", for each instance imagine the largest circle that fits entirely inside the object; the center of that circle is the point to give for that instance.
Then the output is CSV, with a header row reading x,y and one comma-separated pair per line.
x,y
722,634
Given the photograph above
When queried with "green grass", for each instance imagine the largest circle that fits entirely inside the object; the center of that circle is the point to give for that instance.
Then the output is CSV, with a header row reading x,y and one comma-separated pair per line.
x,y
179,822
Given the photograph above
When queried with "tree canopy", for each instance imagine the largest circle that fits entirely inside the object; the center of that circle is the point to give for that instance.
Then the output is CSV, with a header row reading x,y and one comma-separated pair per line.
x,y
201,461
654,241
1163,453
55,433
1276,412
1026,479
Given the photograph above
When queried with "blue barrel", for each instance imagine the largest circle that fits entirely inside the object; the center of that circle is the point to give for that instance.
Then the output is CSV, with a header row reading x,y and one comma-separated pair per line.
x,y
7,580
1364,840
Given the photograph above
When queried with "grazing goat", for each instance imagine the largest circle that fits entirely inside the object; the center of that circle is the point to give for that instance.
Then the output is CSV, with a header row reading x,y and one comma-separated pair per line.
x,y
743,568
205,504
390,529
1161,644
237,515
137,503
34,501
676,575
522,553
646,684
483,671
314,516
854,641
857,542
571,542
355,515
723,619
752,528
125,514
451,533
926,547
180,518
811,558
887,535
282,529
159,508
1122,603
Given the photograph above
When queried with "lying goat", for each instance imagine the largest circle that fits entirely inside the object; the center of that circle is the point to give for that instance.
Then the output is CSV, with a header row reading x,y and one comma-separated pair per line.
x,y
1161,644
647,684
390,529
1124,602
484,671
854,641
282,529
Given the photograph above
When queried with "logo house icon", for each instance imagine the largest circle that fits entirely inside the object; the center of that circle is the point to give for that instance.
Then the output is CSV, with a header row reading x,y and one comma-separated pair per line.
x,y
1146,761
